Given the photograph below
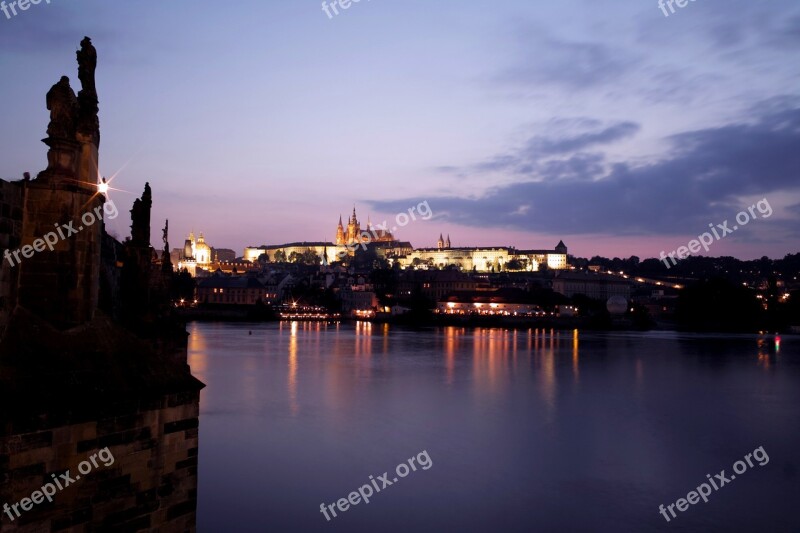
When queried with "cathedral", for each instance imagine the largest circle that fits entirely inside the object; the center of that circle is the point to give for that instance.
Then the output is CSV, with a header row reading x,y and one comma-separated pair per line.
x,y
196,254
353,234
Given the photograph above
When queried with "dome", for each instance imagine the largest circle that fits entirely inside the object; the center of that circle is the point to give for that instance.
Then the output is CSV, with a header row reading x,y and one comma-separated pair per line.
x,y
202,252
617,305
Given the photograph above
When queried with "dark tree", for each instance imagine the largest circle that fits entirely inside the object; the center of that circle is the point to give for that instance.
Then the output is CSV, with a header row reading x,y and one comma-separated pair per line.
x,y
719,305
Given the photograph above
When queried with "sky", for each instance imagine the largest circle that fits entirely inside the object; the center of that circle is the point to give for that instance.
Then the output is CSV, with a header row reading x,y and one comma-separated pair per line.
x,y
605,124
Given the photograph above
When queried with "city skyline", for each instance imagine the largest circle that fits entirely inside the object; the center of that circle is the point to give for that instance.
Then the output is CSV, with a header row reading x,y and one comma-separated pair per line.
x,y
622,133
259,264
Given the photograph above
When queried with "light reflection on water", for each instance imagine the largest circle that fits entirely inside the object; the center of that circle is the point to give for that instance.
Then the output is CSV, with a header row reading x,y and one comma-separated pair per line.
x,y
562,429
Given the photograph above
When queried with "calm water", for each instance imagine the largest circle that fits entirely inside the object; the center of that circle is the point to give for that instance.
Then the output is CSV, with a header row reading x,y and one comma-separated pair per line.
x,y
526,430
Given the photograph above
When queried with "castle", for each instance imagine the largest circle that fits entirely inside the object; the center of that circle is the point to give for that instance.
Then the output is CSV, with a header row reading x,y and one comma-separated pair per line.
x,y
349,237
354,235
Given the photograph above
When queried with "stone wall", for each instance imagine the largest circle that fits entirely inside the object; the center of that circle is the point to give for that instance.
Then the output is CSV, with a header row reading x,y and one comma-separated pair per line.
x,y
62,285
152,484
11,202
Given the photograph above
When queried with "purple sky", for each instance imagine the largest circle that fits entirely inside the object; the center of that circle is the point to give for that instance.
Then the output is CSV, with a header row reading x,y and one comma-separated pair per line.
x,y
605,124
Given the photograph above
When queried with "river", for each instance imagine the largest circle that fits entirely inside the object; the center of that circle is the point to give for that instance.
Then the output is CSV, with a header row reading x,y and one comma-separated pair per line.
x,y
525,430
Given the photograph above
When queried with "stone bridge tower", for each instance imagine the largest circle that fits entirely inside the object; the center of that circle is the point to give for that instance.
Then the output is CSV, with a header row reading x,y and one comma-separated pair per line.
x,y
61,285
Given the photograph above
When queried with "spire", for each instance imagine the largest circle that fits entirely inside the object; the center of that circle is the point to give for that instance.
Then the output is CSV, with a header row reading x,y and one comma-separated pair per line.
x,y
340,221
355,219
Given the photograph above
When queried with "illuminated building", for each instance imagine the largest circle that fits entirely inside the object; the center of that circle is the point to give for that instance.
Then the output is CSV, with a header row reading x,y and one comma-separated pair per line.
x,y
353,233
488,259
348,239
506,302
351,236
196,254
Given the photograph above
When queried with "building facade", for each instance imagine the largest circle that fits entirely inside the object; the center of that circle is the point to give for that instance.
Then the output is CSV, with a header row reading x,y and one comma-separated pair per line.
x,y
326,251
236,290
596,286
487,259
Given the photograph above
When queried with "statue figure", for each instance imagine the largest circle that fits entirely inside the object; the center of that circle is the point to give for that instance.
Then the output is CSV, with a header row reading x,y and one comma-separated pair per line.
x,y
140,218
87,64
63,107
166,260
88,123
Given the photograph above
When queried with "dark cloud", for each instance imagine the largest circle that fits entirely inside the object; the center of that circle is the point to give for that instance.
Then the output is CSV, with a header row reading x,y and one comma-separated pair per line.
x,y
538,158
697,183
676,85
544,146
764,27
569,64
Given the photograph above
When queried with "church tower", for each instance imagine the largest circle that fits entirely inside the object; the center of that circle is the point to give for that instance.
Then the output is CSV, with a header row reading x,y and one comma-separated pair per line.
x,y
440,242
353,229
447,242
340,233
188,248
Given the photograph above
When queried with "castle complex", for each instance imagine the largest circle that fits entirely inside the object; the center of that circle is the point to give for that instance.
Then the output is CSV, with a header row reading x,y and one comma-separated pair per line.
x,y
351,236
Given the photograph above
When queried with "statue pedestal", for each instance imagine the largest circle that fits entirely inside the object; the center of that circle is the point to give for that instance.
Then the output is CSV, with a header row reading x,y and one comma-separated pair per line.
x,y
62,160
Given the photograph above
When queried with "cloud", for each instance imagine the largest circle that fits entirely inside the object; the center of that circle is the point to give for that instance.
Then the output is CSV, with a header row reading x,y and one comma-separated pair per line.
x,y
557,155
544,146
698,182
568,64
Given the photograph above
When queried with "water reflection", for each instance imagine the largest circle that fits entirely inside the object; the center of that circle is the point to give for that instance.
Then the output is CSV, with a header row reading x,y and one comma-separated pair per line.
x,y
300,348
768,350
497,353
607,424
292,381
575,358
363,349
